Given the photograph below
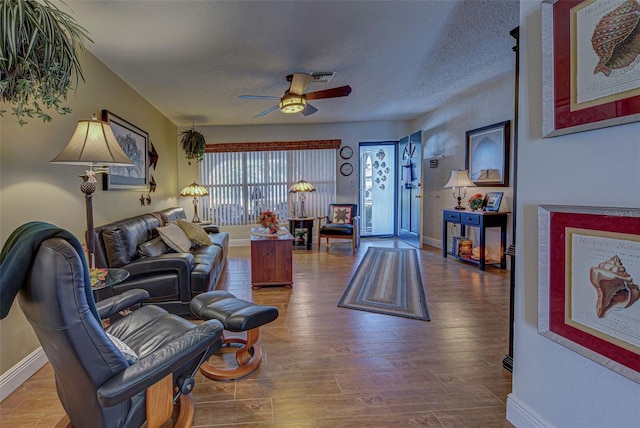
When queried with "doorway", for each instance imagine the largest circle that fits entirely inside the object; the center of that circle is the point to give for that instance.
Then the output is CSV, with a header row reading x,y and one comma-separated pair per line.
x,y
378,186
410,190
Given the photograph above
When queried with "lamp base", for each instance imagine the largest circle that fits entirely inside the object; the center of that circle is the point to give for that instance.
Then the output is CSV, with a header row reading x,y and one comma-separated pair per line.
x,y
459,208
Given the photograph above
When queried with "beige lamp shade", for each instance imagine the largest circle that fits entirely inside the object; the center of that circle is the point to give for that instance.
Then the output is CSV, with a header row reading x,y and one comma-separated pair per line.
x,y
459,178
194,190
93,143
302,186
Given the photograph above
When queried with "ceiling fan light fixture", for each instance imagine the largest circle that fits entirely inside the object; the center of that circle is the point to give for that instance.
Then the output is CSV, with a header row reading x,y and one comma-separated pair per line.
x,y
291,103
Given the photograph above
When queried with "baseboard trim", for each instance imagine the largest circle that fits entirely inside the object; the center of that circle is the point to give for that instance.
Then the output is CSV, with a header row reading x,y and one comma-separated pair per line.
x,y
432,242
522,416
18,374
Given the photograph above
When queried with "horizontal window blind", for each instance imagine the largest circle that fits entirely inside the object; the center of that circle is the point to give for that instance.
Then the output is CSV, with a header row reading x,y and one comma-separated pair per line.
x,y
241,185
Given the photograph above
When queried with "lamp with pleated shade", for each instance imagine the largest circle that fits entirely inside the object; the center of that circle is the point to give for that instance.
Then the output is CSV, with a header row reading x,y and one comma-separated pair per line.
x,y
459,180
301,187
92,144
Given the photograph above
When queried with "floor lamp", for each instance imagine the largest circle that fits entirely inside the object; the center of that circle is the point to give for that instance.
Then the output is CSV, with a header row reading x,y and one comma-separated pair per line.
x,y
195,191
301,187
94,145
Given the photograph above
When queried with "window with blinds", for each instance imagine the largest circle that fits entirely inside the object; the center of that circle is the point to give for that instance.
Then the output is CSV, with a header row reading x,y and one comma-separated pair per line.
x,y
243,184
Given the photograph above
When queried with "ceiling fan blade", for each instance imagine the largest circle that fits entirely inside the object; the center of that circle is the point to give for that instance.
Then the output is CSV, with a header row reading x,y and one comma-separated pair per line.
x,y
267,111
341,91
258,97
299,83
309,110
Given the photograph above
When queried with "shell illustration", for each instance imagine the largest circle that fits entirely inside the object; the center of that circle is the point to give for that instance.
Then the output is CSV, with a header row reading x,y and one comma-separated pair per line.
x,y
614,286
616,38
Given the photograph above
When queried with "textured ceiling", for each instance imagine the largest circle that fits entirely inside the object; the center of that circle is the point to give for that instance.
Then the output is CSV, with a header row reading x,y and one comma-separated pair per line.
x,y
192,59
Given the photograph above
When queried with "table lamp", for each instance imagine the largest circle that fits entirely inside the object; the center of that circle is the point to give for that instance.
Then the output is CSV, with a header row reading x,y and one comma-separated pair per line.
x,y
92,144
301,187
459,180
194,190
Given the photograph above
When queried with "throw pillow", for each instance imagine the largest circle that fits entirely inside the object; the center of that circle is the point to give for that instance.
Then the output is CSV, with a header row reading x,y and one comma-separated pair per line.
x,y
175,237
154,247
341,214
126,351
195,232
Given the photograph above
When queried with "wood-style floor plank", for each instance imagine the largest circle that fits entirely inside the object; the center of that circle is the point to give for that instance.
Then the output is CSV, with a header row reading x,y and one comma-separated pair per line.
x,y
326,366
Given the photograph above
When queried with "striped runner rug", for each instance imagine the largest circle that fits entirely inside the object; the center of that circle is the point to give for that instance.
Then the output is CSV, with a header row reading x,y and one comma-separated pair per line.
x,y
388,282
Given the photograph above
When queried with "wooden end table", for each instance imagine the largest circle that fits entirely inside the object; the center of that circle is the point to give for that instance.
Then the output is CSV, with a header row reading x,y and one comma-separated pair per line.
x,y
302,223
271,260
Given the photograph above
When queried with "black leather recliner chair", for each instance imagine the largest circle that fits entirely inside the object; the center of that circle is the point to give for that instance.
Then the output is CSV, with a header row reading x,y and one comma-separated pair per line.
x,y
96,385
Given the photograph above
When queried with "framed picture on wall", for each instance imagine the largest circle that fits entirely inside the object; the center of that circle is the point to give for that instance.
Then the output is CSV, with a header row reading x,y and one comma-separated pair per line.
x,y
487,155
588,270
135,143
590,68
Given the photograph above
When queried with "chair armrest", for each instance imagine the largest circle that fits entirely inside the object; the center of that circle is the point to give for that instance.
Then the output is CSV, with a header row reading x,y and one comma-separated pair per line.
x,y
112,305
164,361
321,218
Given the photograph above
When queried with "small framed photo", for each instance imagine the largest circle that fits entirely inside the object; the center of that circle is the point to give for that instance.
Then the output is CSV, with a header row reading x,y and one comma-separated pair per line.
x,y
588,293
487,155
135,143
492,201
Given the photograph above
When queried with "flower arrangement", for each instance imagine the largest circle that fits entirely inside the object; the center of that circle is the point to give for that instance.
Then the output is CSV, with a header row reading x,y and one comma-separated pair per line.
x,y
269,220
475,202
97,275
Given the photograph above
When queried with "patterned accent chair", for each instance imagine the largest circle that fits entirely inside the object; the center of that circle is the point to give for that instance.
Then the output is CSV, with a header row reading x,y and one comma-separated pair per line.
x,y
341,223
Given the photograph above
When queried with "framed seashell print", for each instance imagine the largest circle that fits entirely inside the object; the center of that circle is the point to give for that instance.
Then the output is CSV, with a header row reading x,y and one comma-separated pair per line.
x,y
590,64
588,275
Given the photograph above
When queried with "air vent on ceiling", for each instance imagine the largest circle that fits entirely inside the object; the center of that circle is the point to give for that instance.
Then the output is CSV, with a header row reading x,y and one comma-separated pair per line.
x,y
322,76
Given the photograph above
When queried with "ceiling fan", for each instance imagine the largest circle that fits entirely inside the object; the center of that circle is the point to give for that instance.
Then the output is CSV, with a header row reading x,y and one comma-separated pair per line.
x,y
295,100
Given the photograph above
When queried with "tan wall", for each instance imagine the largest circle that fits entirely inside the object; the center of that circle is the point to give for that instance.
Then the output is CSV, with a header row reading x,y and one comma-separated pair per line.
x,y
33,189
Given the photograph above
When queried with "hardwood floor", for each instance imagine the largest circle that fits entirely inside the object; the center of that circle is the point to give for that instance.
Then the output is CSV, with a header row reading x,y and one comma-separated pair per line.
x,y
326,366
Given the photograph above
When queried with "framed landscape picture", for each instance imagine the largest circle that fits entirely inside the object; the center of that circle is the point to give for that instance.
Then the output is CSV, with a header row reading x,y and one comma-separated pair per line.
x,y
487,155
588,296
590,64
135,143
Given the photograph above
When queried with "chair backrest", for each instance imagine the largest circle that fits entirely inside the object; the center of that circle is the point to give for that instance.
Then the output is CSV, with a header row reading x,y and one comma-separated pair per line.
x,y
54,301
342,213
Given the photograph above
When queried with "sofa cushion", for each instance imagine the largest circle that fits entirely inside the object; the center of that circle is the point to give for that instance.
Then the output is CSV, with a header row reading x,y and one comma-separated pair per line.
x,y
154,247
175,237
195,232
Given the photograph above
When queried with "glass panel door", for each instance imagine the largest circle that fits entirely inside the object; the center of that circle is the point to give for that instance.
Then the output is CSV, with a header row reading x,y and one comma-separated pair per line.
x,y
377,188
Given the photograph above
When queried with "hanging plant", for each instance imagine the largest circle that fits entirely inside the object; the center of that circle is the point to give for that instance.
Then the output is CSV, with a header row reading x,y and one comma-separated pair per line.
x,y
193,144
38,57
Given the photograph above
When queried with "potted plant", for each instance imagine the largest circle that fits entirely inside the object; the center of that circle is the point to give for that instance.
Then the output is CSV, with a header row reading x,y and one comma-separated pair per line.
x,y
39,47
193,144
300,235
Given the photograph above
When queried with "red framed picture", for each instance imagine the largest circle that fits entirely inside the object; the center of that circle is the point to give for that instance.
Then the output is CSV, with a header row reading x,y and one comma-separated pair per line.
x,y
589,270
590,64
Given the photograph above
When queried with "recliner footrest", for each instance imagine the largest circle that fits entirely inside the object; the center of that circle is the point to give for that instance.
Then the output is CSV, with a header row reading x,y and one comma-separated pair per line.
x,y
236,315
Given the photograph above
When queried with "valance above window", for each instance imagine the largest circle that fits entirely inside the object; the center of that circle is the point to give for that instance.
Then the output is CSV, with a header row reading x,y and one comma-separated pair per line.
x,y
263,146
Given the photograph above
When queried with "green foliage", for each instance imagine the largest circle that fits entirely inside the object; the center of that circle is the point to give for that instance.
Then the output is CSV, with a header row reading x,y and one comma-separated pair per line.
x,y
38,57
193,144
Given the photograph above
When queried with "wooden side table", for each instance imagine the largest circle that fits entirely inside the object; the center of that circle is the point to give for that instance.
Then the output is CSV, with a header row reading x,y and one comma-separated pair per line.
x,y
302,223
271,260
482,220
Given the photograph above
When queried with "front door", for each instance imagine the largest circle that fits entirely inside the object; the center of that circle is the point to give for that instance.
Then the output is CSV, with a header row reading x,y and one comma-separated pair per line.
x,y
377,188
410,189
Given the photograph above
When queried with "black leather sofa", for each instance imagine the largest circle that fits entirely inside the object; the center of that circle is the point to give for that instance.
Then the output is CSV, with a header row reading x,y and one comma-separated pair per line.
x,y
172,279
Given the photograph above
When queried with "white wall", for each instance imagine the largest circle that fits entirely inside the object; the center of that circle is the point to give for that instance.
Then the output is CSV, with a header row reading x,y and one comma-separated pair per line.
x,y
351,134
553,386
443,132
